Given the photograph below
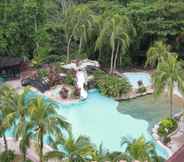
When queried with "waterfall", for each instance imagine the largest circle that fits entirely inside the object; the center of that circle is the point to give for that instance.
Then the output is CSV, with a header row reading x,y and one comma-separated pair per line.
x,y
81,77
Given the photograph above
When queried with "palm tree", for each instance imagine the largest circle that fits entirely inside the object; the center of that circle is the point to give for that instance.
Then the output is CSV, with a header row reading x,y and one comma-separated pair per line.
x,y
139,149
157,53
118,156
168,73
77,25
26,135
6,111
84,28
99,154
69,24
14,113
22,129
77,150
45,121
116,30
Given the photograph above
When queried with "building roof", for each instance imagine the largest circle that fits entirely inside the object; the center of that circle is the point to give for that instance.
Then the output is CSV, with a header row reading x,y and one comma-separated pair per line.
x,y
6,62
178,156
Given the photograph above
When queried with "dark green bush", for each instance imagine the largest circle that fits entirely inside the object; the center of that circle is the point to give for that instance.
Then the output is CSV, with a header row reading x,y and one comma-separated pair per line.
x,y
141,89
111,85
69,79
7,156
167,126
42,73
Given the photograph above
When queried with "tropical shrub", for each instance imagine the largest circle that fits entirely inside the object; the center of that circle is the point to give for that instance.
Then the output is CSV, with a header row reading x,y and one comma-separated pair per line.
x,y
111,85
167,126
118,156
140,149
42,73
7,156
141,89
69,79
74,149
99,74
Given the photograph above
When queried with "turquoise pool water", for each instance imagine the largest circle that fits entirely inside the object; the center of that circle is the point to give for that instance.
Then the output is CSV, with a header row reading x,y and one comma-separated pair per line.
x,y
98,118
150,108
134,77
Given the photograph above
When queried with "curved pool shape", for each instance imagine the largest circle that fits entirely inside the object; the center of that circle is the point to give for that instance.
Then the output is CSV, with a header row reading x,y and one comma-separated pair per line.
x,y
134,77
98,118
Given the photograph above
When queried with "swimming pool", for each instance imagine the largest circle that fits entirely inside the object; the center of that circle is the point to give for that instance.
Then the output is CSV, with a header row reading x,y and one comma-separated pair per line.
x,y
98,118
134,77
150,108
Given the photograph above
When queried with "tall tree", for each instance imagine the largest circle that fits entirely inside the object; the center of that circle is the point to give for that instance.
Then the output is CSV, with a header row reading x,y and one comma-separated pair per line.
x,y
78,25
22,129
157,53
7,111
45,121
115,32
168,74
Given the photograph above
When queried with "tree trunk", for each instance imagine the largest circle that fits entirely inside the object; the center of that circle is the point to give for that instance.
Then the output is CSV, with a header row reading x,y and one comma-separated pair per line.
x,y
100,54
112,60
41,145
5,143
36,30
116,57
171,102
24,156
80,46
68,49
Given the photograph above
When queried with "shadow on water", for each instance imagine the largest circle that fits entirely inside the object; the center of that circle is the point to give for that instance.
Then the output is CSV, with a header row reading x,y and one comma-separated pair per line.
x,y
150,108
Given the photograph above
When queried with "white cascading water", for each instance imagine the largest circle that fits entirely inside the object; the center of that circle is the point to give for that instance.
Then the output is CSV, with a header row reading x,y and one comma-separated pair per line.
x,y
81,81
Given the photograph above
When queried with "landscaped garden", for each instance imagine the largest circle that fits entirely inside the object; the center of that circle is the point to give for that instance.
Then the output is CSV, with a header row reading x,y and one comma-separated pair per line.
x,y
91,80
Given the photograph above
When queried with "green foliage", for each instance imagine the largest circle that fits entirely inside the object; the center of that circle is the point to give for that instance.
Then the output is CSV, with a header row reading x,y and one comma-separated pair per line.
x,y
141,89
167,126
7,156
78,149
69,79
115,33
140,149
169,72
111,85
21,21
42,73
44,116
78,25
41,115
118,156
157,53
41,28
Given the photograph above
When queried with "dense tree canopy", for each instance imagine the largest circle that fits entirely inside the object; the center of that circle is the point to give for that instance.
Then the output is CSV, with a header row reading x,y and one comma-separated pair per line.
x,y
37,28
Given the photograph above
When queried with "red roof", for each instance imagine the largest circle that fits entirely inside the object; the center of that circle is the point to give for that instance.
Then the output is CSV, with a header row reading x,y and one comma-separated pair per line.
x,y
178,156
